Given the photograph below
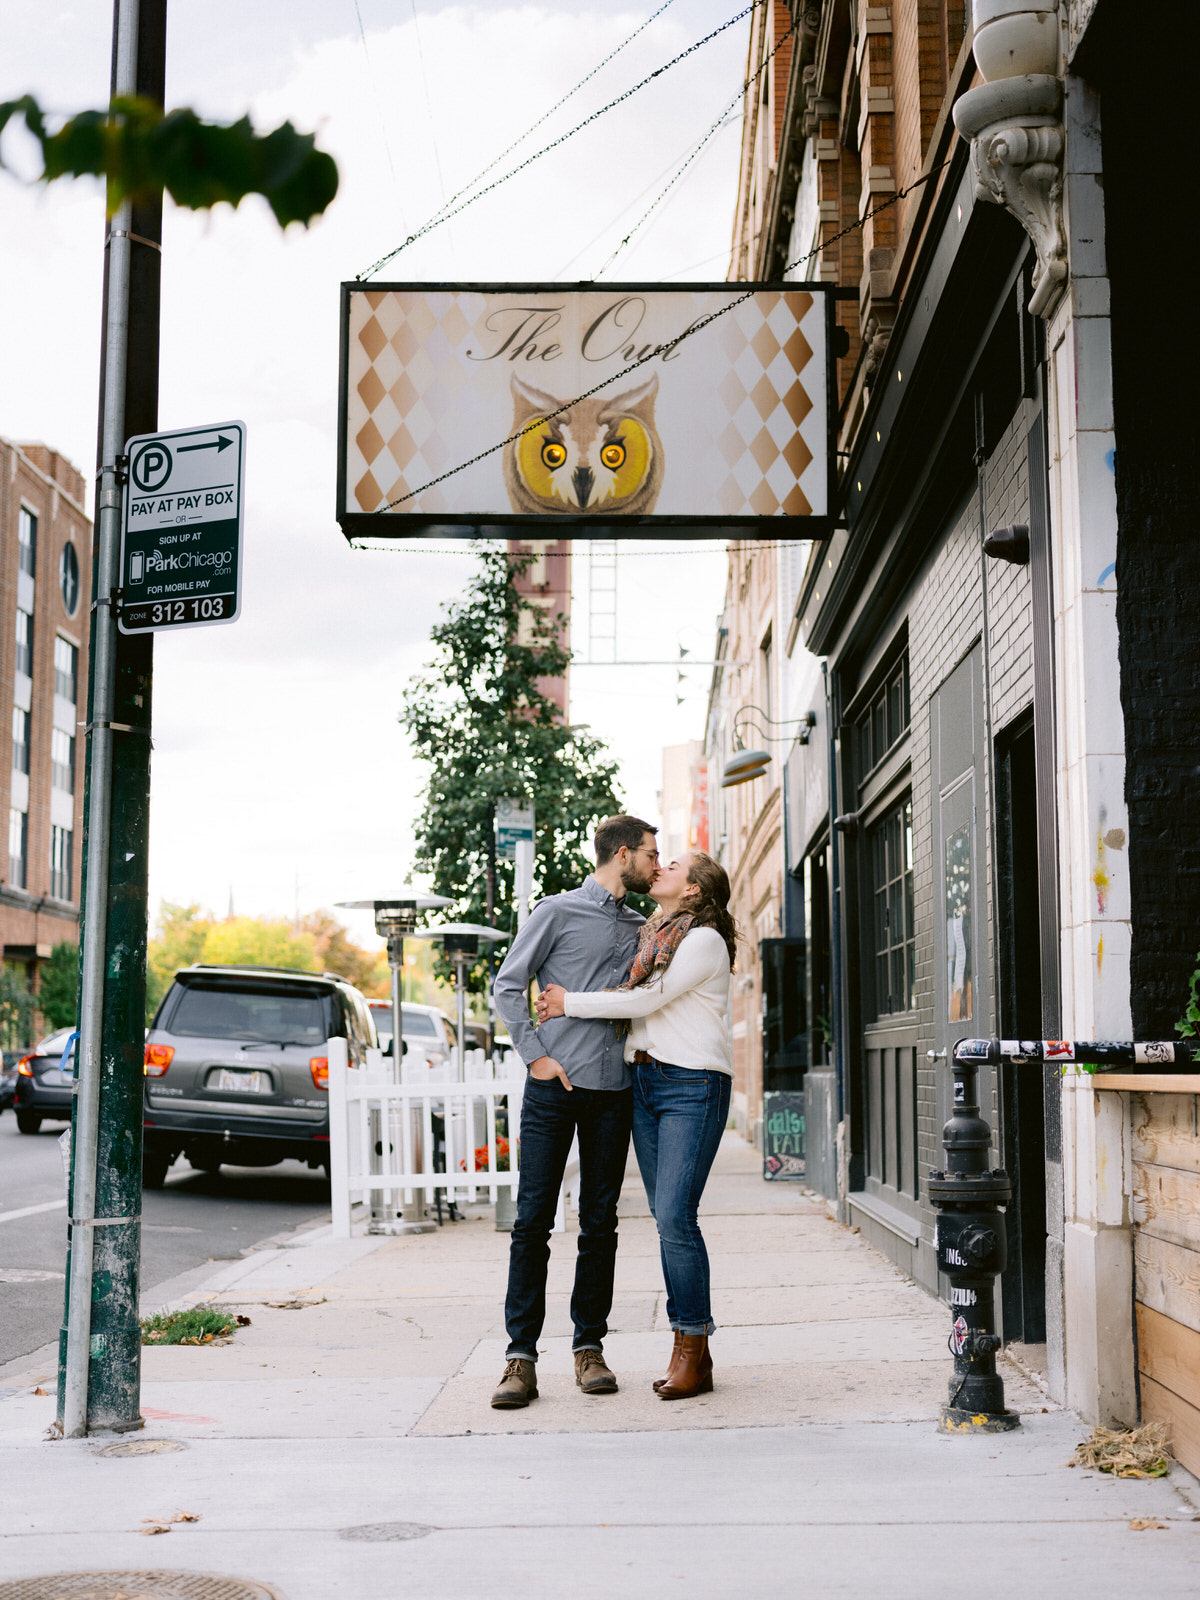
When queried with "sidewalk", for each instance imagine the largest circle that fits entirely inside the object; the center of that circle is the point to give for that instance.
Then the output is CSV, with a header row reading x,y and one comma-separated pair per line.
x,y
342,1445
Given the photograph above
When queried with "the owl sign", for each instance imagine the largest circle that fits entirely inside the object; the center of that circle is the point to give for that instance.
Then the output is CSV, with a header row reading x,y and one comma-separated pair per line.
x,y
605,408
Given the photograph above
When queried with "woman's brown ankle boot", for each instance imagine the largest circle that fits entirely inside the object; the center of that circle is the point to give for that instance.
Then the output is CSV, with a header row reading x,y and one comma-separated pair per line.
x,y
672,1364
693,1371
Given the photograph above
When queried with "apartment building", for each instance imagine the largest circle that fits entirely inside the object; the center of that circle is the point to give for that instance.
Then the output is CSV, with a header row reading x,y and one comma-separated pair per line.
x,y
993,825
45,596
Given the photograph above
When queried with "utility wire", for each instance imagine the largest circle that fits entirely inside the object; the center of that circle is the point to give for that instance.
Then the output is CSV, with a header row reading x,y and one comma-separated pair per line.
x,y
387,144
615,220
689,332
445,214
546,115
719,123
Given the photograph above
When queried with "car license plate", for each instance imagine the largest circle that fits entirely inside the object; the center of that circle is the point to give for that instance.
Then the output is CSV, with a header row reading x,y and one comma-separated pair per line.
x,y
54,1079
242,1082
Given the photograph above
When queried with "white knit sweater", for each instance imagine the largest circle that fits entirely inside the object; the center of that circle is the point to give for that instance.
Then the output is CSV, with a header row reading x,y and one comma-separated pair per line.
x,y
680,1017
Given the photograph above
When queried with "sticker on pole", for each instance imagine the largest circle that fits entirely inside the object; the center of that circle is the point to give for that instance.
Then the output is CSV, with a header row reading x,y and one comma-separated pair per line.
x,y
181,534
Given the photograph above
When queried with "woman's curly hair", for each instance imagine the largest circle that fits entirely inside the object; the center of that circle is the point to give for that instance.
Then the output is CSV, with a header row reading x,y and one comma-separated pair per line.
x,y
710,906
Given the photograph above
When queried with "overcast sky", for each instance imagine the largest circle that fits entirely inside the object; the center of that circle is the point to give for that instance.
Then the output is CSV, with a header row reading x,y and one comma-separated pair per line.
x,y
277,758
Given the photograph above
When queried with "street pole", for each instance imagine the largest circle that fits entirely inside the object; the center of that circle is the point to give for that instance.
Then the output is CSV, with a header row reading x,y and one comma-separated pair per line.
x,y
491,922
100,1342
523,879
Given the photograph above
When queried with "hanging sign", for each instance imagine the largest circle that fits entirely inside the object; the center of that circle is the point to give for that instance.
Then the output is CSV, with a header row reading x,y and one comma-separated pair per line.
x,y
609,409
181,531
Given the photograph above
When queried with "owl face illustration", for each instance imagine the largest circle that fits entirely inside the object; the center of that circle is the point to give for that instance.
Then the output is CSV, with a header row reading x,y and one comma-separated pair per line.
x,y
602,457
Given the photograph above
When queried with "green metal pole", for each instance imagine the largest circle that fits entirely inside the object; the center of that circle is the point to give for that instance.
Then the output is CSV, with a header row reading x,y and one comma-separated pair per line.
x,y
104,1394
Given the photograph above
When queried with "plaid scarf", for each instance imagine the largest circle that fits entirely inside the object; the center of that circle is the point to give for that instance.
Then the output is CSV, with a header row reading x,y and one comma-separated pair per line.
x,y
658,940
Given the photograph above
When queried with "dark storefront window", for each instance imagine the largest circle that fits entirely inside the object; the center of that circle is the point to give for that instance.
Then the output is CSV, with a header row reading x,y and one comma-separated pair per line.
x,y
886,719
892,892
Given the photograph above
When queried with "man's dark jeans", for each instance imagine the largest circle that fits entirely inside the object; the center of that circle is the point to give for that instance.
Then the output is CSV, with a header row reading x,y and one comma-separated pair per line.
x,y
550,1118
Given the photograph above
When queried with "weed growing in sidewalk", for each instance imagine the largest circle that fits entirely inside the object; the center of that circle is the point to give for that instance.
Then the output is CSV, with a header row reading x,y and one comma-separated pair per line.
x,y
198,1325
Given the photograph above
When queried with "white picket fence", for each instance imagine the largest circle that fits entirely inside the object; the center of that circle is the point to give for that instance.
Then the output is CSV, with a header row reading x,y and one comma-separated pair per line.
x,y
363,1101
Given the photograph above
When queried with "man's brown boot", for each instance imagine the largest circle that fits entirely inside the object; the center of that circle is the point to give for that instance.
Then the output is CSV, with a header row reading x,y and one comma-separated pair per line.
x,y
672,1364
518,1386
693,1374
592,1374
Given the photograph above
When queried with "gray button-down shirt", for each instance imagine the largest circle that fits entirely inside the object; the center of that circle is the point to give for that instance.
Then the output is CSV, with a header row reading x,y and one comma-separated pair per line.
x,y
583,939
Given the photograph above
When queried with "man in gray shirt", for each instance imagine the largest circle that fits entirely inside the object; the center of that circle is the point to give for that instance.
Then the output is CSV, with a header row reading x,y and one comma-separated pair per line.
x,y
578,1085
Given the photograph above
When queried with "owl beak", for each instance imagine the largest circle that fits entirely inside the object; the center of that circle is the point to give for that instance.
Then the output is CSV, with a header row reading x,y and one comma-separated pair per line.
x,y
584,480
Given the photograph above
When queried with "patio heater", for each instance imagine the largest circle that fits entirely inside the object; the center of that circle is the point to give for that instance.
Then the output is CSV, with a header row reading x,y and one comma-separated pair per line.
x,y
396,917
460,941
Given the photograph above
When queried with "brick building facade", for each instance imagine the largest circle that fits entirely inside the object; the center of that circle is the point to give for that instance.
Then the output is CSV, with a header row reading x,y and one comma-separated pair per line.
x,y
45,597
993,644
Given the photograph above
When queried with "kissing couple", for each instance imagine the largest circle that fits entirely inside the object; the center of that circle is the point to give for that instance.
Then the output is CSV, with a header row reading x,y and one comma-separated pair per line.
x,y
630,1037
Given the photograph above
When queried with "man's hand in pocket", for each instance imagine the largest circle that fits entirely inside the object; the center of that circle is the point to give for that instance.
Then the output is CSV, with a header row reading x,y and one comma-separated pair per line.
x,y
545,1068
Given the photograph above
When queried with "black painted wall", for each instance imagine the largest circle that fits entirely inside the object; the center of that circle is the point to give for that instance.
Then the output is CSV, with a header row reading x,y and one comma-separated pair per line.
x,y
1147,82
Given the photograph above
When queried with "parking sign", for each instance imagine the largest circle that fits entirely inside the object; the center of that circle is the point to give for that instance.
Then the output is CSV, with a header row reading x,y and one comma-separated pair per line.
x,y
181,533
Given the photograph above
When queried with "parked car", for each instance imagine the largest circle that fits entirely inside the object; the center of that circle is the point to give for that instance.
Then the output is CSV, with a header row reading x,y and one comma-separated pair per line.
x,y
43,1090
236,1069
8,1078
424,1026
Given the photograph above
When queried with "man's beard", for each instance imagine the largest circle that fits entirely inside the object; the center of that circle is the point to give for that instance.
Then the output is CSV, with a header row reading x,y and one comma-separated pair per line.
x,y
637,879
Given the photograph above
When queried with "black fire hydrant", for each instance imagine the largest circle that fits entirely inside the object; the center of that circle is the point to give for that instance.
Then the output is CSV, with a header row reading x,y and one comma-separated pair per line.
x,y
971,1251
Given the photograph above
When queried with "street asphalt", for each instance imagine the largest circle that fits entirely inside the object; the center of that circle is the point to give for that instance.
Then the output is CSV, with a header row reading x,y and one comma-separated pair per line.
x,y
194,1219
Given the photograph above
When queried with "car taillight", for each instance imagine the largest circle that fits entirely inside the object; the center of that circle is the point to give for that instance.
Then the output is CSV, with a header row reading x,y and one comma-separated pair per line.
x,y
158,1059
25,1066
319,1067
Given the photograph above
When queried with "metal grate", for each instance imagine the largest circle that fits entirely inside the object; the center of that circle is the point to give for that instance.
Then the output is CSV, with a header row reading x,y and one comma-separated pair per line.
x,y
151,1585
386,1532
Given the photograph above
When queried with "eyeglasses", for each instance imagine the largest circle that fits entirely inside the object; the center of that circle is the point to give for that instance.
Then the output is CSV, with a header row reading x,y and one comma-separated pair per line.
x,y
653,854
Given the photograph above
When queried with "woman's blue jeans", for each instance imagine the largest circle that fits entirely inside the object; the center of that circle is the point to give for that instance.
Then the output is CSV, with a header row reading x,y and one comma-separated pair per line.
x,y
679,1115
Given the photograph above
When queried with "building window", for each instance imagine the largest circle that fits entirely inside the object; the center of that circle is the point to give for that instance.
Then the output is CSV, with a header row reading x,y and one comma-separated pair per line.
x,y
18,834
66,670
24,642
892,885
62,760
886,720
27,540
61,841
20,740
68,578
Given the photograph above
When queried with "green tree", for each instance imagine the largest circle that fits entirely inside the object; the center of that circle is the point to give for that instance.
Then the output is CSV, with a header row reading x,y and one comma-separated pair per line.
x,y
17,1006
58,986
480,721
178,942
336,952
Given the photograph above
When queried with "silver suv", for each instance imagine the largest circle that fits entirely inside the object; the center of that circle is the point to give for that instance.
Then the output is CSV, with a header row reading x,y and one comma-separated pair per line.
x,y
236,1067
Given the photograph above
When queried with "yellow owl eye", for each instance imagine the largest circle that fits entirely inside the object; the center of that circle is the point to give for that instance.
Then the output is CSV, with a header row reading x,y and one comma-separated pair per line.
x,y
554,454
613,455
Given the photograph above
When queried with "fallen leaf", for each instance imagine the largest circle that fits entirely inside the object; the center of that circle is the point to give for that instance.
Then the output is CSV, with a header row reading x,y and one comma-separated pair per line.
x,y
155,1527
185,1516
1139,1523
39,1391
243,1322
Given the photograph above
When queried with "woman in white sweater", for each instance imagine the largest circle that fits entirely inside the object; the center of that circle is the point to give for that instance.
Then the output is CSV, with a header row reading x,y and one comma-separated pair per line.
x,y
676,1001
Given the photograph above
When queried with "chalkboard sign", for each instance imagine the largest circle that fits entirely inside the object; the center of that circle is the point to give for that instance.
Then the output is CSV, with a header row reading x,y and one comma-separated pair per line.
x,y
783,1135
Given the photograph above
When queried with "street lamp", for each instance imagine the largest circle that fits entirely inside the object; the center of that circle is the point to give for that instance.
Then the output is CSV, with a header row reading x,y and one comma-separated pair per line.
x,y
460,940
746,765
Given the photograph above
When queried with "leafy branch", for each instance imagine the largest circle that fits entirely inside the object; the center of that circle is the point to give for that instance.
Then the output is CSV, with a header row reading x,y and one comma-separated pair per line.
x,y
1188,1026
139,149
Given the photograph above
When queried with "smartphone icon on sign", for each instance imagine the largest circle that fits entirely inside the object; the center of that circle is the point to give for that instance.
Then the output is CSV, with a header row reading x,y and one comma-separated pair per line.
x,y
136,565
